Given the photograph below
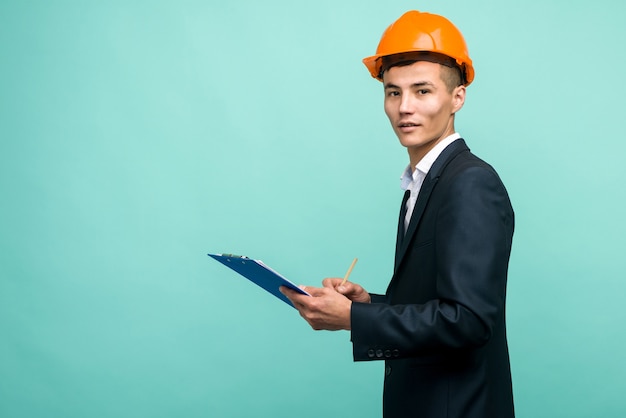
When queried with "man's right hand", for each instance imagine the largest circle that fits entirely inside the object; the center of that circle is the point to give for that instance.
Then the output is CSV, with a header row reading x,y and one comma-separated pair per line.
x,y
352,291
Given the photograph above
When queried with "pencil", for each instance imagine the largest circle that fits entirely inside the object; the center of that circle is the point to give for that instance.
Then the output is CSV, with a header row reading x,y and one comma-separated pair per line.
x,y
345,278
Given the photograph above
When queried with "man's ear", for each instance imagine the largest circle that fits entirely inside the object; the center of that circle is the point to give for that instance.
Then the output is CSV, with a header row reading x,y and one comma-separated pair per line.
x,y
458,98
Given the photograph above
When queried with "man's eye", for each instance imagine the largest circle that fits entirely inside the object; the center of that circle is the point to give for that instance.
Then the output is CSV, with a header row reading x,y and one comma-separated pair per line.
x,y
423,91
393,93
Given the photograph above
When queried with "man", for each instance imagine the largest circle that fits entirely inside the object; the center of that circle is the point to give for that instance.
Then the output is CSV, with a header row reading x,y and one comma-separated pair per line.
x,y
440,326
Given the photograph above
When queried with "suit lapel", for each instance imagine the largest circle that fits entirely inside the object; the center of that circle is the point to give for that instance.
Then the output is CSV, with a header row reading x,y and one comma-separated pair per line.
x,y
430,181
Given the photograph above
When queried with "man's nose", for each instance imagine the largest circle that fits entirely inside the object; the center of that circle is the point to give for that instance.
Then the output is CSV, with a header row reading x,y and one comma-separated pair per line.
x,y
407,104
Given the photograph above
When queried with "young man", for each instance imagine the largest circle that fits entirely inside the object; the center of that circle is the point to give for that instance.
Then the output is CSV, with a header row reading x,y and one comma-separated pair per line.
x,y
440,326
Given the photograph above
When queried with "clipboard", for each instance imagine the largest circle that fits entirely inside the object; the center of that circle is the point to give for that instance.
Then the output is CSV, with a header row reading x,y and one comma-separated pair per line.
x,y
259,274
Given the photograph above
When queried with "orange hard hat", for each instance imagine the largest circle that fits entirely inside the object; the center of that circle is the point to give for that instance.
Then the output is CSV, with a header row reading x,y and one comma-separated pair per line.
x,y
422,32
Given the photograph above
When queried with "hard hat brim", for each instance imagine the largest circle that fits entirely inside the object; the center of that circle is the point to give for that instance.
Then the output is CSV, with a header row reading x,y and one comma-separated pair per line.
x,y
372,67
374,64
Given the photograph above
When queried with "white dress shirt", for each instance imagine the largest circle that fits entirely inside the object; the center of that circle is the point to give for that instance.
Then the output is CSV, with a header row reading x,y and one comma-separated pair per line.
x,y
413,179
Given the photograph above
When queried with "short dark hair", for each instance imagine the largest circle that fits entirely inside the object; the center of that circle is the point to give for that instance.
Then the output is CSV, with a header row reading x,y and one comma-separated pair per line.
x,y
451,73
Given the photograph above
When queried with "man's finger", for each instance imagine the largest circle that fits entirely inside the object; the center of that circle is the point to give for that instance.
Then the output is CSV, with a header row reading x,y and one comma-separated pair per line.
x,y
316,291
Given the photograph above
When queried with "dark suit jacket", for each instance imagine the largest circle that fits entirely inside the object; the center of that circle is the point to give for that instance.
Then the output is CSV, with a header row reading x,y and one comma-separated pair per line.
x,y
440,327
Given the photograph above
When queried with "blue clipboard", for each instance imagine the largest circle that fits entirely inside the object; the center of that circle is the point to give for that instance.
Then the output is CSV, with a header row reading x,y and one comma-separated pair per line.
x,y
259,274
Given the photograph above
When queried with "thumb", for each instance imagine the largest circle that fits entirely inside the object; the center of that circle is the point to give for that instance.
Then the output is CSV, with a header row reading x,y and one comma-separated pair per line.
x,y
331,282
343,289
315,291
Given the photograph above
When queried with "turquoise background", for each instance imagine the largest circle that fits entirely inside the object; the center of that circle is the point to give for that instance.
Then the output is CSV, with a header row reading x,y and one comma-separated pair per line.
x,y
135,137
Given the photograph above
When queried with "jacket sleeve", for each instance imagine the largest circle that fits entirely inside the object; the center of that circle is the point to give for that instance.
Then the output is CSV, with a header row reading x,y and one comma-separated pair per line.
x,y
375,298
471,246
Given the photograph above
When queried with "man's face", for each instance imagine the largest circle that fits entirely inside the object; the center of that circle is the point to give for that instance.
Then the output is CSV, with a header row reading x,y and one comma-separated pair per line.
x,y
419,106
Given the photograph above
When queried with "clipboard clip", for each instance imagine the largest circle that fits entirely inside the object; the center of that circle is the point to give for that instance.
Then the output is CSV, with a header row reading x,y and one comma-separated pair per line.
x,y
235,256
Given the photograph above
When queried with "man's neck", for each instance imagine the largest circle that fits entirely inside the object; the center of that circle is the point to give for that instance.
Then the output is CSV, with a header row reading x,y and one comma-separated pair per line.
x,y
416,154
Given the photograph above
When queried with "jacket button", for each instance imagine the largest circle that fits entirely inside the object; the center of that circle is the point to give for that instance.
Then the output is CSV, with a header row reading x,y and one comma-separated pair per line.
x,y
396,353
387,353
379,353
370,353
387,370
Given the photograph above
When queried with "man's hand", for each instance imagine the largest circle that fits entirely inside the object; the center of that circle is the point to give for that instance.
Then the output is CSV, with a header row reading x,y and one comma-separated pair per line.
x,y
328,308
352,291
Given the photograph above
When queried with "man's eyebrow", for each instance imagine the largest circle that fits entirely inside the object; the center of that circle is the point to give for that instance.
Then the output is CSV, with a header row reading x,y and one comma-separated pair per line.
x,y
417,84
391,86
423,84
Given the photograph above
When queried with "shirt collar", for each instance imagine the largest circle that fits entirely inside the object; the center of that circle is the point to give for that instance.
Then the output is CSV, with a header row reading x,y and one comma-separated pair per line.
x,y
407,178
424,165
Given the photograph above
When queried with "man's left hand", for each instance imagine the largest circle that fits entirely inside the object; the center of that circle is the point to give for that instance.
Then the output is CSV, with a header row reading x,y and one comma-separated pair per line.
x,y
325,309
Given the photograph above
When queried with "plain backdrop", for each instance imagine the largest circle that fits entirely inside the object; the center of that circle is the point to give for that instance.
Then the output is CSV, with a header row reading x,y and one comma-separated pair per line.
x,y
137,136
